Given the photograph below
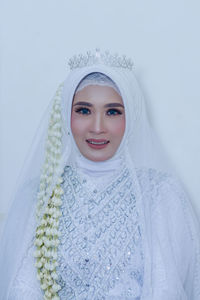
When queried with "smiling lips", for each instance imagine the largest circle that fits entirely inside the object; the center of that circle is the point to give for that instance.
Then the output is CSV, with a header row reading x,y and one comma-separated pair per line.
x,y
97,143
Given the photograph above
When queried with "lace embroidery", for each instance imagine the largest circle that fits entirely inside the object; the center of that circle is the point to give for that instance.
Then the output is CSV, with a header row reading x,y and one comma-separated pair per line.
x,y
101,239
26,285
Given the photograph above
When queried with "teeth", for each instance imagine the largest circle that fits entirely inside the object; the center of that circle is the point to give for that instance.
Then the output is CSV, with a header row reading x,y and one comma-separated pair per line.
x,y
97,143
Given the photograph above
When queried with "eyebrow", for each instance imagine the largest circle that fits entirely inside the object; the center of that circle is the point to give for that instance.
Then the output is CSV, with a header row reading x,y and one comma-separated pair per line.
x,y
107,105
114,105
83,103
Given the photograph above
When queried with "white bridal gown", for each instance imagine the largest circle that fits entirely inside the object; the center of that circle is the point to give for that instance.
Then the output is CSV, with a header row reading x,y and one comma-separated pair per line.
x,y
128,231
101,251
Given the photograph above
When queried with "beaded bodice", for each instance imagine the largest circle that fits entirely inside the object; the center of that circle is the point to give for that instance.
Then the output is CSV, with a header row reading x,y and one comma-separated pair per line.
x,y
100,255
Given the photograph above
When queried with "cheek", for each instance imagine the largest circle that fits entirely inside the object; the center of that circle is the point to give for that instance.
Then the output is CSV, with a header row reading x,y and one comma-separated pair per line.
x,y
78,125
118,127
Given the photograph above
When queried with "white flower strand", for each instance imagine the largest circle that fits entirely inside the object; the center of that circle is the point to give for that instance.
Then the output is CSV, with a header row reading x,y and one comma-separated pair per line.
x,y
53,152
47,233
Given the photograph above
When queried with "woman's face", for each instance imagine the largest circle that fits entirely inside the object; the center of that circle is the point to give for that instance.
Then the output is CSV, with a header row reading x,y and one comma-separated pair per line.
x,y
97,121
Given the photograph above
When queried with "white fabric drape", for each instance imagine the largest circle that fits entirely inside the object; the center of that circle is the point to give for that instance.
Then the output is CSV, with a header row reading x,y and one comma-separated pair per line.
x,y
170,227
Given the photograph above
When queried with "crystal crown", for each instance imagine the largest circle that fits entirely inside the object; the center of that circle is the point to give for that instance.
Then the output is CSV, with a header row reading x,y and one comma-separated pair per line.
x,y
105,58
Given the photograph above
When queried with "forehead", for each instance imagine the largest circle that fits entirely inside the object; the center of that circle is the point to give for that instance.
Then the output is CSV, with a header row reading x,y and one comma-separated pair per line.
x,y
98,94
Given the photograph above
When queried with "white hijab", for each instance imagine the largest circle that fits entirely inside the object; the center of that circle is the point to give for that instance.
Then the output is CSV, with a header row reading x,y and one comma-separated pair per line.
x,y
97,171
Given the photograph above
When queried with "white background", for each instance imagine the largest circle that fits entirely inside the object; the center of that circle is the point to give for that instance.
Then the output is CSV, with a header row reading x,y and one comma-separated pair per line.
x,y
163,39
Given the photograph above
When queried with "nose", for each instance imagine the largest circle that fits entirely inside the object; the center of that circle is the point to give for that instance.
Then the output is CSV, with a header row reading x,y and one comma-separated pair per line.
x,y
98,124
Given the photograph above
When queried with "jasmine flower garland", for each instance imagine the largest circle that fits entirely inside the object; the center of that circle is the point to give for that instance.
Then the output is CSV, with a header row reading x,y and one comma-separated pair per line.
x,y
47,233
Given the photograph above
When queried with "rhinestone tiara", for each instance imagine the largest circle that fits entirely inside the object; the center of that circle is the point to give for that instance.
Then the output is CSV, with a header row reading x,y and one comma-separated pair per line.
x,y
98,57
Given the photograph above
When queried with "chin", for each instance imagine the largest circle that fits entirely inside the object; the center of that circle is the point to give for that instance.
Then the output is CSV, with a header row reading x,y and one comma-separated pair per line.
x,y
98,158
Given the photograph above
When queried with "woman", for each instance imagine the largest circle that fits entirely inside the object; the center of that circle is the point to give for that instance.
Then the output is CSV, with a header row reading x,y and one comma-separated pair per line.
x,y
111,220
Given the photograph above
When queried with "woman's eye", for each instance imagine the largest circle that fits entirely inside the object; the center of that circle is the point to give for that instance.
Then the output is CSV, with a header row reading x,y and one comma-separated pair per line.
x,y
83,111
113,112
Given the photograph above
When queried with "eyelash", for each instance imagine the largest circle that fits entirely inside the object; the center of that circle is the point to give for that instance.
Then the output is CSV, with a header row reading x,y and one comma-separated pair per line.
x,y
116,112
81,110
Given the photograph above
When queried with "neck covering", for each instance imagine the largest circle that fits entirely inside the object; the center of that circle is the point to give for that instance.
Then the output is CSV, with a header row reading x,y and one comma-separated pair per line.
x,y
98,169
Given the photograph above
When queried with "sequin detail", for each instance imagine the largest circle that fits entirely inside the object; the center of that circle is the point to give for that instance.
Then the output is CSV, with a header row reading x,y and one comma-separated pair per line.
x,y
101,245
